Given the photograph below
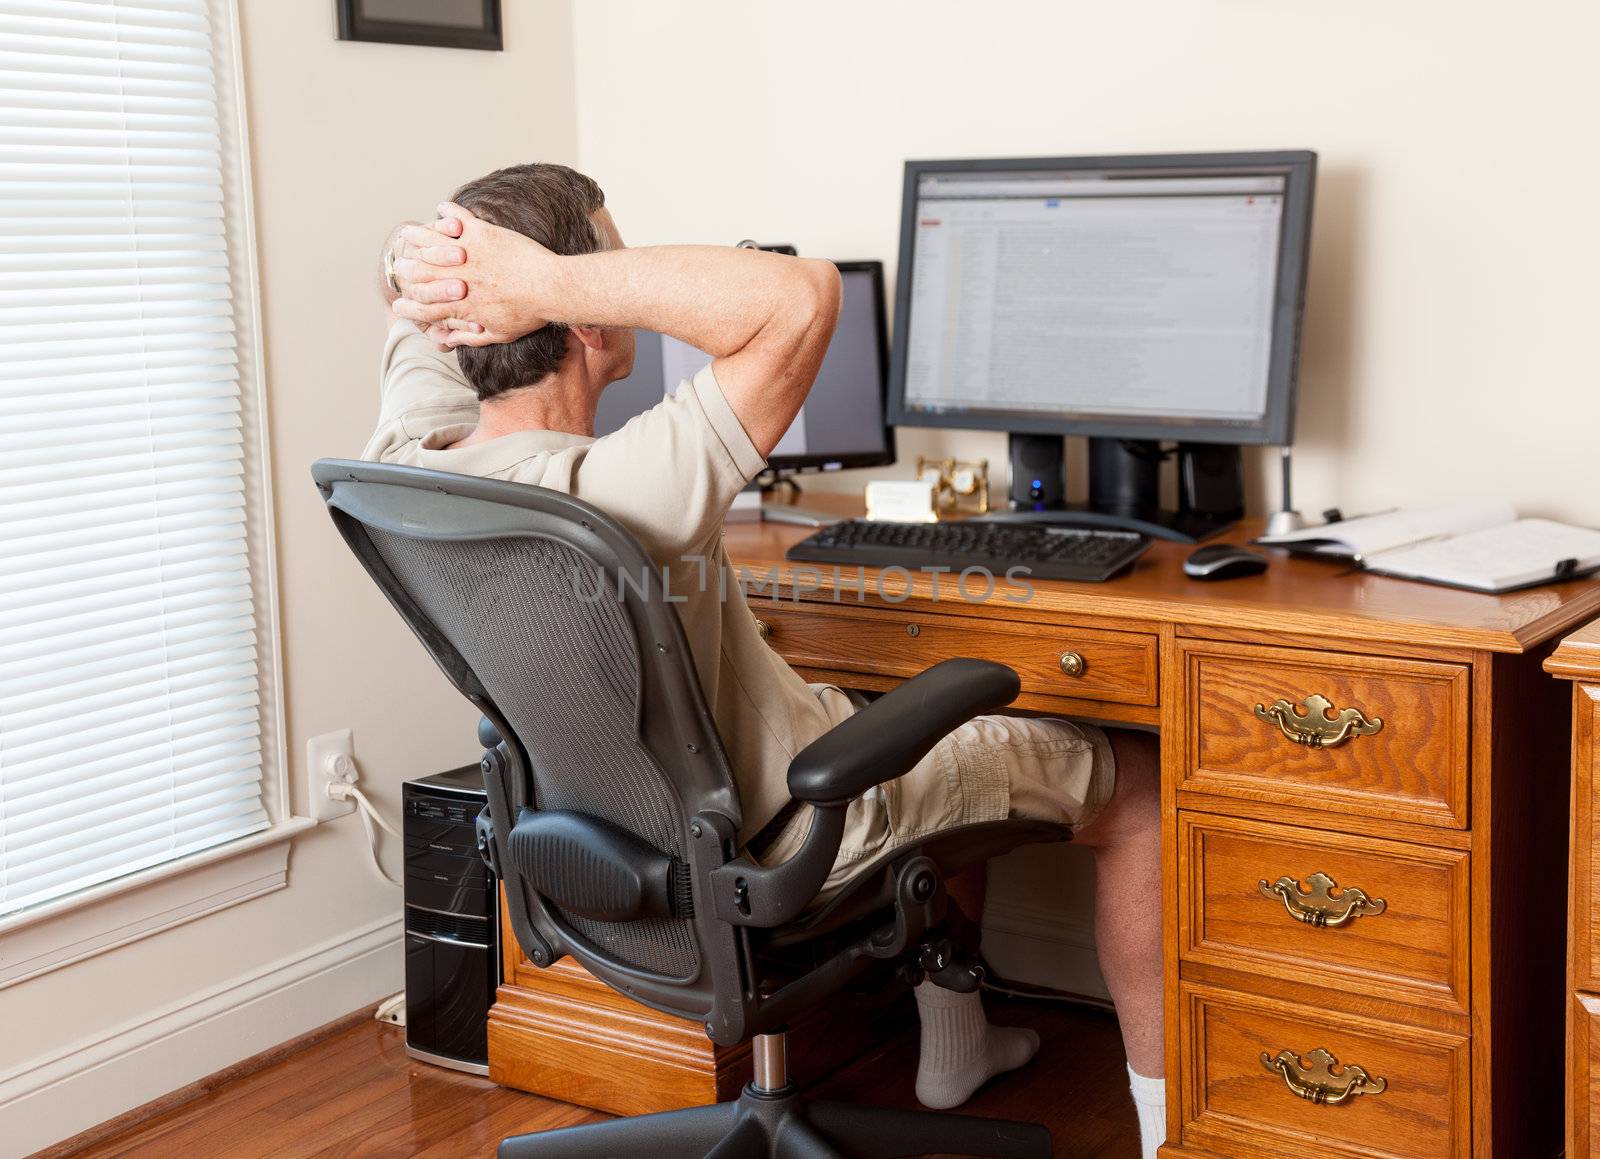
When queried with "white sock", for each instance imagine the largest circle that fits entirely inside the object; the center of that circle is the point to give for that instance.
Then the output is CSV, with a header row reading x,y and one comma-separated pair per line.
x,y
1150,1100
960,1050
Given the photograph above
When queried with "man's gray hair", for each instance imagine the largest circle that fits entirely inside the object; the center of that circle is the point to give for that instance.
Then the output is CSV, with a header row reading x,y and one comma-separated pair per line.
x,y
555,206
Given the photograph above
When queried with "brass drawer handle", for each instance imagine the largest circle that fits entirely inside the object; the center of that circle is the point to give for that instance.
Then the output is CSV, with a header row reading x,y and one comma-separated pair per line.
x,y
763,629
1073,664
1322,910
1315,724
1313,1077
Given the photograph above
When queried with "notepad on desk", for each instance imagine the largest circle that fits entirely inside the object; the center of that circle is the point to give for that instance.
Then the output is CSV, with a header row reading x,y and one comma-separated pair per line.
x,y
1480,546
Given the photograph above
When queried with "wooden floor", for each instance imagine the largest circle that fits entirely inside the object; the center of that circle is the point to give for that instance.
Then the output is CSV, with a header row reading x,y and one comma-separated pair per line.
x,y
356,1095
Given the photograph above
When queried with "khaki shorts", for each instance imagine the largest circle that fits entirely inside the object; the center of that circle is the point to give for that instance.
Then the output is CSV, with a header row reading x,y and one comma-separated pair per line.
x,y
992,767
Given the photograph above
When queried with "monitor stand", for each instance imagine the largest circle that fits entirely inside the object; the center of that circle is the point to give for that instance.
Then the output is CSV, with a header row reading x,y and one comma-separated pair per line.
x,y
789,512
1178,526
1124,491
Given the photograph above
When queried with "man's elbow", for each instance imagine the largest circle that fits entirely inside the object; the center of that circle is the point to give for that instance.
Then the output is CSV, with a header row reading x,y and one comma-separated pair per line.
x,y
810,305
797,332
823,291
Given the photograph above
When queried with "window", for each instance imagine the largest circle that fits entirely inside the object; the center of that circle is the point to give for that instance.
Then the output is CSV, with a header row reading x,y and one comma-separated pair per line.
x,y
137,712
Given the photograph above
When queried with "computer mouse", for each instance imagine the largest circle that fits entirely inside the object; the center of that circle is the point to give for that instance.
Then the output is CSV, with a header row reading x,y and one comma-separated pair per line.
x,y
1217,561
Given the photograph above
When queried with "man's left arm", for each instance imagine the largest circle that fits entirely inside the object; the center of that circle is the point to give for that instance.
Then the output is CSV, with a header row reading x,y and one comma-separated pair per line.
x,y
422,390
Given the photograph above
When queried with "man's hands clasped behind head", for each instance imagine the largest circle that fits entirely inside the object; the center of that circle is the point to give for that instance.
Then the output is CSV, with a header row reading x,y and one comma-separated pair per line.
x,y
765,319
465,282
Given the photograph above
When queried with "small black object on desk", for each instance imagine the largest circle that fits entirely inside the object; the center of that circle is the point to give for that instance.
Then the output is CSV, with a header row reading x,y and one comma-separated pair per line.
x,y
1217,561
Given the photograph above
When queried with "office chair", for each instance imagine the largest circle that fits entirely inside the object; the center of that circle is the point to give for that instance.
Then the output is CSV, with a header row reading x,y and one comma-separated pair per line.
x,y
613,813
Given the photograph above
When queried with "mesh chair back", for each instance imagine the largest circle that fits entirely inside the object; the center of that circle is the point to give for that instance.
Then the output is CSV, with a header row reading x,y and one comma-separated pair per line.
x,y
547,615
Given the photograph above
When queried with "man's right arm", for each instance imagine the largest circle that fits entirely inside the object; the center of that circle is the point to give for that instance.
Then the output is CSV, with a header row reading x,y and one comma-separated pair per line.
x,y
766,319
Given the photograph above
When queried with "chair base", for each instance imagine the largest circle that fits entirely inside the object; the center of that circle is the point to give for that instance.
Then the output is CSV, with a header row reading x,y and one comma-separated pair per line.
x,y
784,1124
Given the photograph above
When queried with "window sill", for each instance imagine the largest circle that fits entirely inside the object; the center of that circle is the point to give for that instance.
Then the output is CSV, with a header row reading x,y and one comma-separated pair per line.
x,y
115,913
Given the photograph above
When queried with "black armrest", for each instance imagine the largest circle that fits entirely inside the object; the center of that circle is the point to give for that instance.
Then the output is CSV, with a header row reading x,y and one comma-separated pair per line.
x,y
886,739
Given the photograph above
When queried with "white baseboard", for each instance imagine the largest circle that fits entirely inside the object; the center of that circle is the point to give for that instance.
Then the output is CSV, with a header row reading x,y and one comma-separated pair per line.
x,y
51,1099
1042,945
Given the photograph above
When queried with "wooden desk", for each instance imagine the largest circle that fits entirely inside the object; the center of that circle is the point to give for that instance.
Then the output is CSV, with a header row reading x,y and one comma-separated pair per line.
x,y
1578,660
1452,813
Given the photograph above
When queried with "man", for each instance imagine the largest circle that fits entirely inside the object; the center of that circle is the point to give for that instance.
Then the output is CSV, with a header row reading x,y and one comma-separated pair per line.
x,y
526,279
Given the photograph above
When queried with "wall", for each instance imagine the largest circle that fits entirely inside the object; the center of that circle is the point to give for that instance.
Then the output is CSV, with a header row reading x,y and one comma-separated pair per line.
x,y
346,140
1452,296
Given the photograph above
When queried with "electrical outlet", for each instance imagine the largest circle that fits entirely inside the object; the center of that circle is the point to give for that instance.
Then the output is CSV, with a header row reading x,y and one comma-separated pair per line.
x,y
330,757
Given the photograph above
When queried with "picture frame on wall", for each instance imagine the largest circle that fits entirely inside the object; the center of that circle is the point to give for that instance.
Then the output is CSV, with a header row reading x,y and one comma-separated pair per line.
x,y
436,23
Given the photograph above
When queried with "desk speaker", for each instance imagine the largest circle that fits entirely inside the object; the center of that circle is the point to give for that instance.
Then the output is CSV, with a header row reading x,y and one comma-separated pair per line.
x,y
1038,478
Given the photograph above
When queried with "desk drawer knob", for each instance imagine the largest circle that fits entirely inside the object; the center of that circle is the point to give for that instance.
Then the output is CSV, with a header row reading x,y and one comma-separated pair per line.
x,y
763,629
1073,664
1317,906
1314,723
1318,1077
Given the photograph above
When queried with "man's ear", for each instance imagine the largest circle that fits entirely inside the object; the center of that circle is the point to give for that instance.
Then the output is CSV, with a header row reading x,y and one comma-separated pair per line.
x,y
591,336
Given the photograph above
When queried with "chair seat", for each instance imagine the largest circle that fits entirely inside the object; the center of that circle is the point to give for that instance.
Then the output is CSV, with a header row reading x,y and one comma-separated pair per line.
x,y
871,888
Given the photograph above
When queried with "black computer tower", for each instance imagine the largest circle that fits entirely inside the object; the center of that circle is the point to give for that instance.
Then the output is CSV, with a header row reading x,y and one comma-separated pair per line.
x,y
452,922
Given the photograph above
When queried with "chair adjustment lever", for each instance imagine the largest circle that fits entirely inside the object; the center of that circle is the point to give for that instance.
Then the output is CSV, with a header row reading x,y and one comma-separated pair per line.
x,y
941,963
745,893
483,829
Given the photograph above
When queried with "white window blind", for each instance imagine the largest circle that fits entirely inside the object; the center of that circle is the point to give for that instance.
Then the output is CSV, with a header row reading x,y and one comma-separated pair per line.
x,y
129,683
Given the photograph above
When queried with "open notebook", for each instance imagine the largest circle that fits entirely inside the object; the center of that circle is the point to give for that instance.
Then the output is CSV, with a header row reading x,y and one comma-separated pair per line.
x,y
1482,546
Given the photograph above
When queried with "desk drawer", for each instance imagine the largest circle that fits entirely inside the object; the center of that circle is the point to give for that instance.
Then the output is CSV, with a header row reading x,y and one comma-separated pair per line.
x,y
1052,660
1236,1104
1408,941
1366,736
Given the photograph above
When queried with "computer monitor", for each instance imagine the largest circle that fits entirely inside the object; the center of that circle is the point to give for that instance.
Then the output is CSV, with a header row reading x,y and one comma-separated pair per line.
x,y
1136,298
842,422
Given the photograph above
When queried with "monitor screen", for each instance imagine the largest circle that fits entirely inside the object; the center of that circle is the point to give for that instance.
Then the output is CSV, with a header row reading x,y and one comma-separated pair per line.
x,y
842,421
1137,297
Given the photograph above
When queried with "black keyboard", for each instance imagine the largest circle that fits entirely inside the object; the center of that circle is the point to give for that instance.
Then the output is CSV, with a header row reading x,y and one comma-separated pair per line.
x,y
1067,553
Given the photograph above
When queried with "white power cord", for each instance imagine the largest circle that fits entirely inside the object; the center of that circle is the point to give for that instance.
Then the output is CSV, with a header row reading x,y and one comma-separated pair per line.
x,y
345,791
342,772
368,807
393,1010
1044,994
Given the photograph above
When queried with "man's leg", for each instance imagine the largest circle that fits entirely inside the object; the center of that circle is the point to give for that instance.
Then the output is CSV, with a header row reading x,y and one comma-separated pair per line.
x,y
960,1048
1056,771
1126,839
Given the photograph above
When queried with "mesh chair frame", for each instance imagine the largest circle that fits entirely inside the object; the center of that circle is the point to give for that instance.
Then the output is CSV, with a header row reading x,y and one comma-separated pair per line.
x,y
675,724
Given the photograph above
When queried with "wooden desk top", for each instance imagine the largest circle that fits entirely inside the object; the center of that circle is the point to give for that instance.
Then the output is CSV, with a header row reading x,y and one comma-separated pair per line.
x,y
1294,595
1578,656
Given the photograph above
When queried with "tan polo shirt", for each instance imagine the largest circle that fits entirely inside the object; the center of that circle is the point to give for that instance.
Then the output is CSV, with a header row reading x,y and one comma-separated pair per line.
x,y
668,476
